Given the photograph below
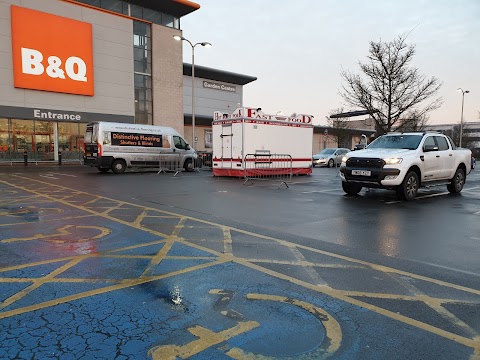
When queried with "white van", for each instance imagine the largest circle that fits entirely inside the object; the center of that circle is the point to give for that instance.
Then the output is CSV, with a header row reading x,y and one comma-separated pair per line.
x,y
117,146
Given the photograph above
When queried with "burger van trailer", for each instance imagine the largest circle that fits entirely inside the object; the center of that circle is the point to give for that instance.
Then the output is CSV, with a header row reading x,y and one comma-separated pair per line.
x,y
248,141
117,146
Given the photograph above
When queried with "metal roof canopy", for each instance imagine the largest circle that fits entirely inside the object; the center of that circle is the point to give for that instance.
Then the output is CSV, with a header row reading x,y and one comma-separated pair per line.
x,y
177,8
352,113
218,75
320,129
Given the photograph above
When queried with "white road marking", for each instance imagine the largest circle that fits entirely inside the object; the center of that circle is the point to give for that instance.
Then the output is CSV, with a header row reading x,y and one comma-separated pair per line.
x,y
63,174
49,176
319,191
419,197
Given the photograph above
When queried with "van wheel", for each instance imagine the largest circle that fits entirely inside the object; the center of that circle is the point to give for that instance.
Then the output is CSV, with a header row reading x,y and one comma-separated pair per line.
x,y
409,187
119,166
188,165
457,182
350,188
102,169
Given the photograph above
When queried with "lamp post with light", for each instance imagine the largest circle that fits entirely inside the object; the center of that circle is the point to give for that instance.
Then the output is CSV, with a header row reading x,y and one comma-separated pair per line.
x,y
461,118
207,45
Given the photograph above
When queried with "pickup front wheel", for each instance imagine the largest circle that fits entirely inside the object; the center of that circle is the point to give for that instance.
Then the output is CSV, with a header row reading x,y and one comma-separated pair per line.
x,y
351,188
457,182
409,187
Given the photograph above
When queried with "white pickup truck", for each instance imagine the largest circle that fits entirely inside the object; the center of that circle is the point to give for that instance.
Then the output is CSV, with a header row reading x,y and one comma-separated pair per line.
x,y
404,162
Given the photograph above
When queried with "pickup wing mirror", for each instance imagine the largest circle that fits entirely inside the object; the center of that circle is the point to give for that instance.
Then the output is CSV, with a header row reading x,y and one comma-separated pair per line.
x,y
428,148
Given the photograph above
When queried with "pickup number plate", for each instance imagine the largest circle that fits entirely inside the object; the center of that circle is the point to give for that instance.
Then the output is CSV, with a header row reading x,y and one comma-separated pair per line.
x,y
362,172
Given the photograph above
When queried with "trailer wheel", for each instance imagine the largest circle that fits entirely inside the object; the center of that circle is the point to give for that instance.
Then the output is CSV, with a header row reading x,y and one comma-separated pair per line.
x,y
188,165
119,166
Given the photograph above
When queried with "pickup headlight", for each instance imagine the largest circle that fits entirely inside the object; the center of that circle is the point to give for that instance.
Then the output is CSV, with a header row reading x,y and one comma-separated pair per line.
x,y
393,161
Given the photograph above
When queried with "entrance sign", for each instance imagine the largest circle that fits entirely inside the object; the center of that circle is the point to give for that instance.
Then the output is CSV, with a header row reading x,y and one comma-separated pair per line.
x,y
56,56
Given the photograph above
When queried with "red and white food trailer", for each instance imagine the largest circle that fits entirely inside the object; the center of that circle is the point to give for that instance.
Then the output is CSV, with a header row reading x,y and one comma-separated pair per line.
x,y
249,131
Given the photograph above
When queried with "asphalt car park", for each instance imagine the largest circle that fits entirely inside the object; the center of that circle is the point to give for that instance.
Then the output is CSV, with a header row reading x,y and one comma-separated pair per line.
x,y
148,265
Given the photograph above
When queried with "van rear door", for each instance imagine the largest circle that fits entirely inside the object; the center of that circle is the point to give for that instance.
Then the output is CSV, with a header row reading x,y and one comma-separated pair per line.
x,y
91,143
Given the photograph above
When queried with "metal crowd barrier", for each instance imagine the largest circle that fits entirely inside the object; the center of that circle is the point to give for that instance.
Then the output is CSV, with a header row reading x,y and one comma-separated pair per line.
x,y
266,166
170,162
205,159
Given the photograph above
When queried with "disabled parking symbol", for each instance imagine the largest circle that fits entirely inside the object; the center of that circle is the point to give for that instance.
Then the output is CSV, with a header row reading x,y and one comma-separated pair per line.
x,y
206,338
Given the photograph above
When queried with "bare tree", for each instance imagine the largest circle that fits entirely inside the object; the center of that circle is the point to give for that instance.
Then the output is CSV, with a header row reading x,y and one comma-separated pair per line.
x,y
415,122
467,139
340,127
389,87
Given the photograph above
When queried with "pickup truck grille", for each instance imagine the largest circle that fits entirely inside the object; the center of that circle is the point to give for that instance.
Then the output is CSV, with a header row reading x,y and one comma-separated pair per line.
x,y
365,163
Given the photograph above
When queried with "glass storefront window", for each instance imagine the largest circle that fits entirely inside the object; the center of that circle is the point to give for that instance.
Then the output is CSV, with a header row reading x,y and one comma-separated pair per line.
x,y
22,139
70,140
37,139
5,142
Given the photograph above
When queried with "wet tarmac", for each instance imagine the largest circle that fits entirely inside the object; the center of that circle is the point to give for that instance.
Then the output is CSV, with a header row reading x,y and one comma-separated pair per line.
x,y
156,266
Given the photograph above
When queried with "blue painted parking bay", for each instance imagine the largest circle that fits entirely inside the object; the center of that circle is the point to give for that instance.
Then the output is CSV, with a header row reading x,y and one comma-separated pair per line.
x,y
84,276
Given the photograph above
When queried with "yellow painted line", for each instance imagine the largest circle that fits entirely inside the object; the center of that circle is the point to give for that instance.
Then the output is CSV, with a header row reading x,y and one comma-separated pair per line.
x,y
39,282
206,339
124,284
49,220
401,297
63,232
476,352
326,290
306,263
337,294
434,304
283,242
59,280
227,240
139,219
333,332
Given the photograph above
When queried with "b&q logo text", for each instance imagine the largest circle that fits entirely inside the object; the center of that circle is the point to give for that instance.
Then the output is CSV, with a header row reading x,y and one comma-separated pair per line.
x,y
51,53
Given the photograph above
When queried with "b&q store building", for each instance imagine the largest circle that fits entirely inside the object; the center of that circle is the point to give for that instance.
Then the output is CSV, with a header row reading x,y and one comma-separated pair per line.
x,y
64,63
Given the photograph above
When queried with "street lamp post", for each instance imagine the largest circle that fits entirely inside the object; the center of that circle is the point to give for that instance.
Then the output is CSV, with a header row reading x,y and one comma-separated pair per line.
x,y
461,118
207,45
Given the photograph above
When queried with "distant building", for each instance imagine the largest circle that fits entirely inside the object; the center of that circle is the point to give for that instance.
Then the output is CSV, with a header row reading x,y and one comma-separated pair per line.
x,y
471,130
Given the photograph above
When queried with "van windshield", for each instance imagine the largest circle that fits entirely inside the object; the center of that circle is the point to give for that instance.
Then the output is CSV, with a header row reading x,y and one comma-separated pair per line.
x,y
409,142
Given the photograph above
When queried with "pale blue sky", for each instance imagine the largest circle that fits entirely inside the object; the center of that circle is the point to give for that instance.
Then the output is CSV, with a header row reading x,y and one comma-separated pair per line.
x,y
297,49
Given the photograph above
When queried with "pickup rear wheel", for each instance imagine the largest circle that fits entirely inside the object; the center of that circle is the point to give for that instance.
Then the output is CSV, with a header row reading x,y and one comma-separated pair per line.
x,y
457,182
351,188
409,187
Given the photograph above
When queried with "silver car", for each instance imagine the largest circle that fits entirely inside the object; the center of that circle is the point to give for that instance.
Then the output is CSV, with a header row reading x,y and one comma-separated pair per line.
x,y
329,157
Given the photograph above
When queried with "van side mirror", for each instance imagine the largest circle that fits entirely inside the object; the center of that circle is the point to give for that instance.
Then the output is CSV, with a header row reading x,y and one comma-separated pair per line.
x,y
187,147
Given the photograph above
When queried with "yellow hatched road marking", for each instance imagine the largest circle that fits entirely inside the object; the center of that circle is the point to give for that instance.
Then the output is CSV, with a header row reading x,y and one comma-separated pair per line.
x,y
473,343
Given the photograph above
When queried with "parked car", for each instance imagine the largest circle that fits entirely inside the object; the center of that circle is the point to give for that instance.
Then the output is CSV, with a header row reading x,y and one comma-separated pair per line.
x,y
474,162
329,157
